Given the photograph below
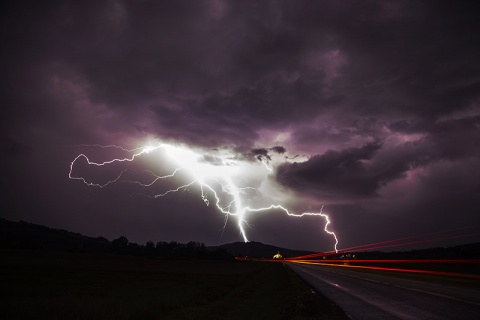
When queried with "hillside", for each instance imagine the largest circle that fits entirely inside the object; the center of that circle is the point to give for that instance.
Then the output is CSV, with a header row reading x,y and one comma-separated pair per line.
x,y
25,235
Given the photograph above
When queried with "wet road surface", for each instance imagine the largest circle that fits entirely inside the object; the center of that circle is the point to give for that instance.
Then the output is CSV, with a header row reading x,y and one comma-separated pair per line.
x,y
367,295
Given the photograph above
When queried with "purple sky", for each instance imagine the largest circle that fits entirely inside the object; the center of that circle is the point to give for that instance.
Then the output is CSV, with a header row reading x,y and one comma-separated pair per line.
x,y
370,108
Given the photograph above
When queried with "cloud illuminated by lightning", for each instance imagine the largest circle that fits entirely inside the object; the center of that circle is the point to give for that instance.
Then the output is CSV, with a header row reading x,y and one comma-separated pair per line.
x,y
217,180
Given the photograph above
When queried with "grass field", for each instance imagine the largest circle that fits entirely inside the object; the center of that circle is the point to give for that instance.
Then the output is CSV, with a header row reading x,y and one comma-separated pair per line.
x,y
53,285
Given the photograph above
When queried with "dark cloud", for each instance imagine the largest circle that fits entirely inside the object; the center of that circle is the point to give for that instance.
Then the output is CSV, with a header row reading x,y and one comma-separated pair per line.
x,y
260,153
278,149
451,138
342,173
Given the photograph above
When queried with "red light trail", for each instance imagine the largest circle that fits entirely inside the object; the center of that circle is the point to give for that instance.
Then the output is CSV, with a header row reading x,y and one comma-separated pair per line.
x,y
421,266
402,270
393,243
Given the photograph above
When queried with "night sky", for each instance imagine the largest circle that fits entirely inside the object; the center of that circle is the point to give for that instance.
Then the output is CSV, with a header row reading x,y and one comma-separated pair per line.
x,y
368,108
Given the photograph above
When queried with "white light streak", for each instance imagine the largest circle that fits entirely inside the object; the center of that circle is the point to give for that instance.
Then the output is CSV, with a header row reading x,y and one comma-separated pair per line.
x,y
224,172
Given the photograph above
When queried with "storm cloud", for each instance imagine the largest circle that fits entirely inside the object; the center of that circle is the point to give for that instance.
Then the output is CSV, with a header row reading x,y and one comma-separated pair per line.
x,y
354,104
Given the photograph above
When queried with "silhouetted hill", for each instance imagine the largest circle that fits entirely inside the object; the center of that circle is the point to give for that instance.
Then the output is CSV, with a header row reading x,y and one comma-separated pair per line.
x,y
29,236
259,250
25,235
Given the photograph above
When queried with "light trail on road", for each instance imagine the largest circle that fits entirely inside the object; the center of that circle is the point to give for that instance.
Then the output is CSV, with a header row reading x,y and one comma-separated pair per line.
x,y
460,267
393,243
363,264
342,264
387,295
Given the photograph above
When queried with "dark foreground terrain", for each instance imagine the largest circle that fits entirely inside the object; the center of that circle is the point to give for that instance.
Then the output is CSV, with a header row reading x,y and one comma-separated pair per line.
x,y
39,284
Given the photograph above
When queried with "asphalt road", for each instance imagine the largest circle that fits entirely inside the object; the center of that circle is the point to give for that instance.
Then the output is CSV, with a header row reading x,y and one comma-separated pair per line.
x,y
369,295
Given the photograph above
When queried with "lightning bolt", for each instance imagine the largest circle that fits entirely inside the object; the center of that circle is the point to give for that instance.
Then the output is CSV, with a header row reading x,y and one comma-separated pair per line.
x,y
298,215
209,177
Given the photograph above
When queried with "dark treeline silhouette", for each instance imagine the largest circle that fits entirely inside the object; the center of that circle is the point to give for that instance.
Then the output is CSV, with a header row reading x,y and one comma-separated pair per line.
x,y
171,250
29,236
24,235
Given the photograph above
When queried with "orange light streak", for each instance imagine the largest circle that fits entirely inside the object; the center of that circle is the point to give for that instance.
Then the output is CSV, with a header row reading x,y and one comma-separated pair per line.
x,y
376,245
393,261
430,272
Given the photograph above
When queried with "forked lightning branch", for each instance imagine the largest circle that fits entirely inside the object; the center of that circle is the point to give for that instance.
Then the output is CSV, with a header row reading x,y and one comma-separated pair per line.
x,y
230,198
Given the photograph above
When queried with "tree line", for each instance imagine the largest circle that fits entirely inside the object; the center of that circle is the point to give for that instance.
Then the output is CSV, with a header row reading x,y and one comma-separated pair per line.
x,y
171,250
29,236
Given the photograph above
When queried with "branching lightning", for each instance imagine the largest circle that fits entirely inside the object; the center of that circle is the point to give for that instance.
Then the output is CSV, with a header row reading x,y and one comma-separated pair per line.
x,y
228,199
